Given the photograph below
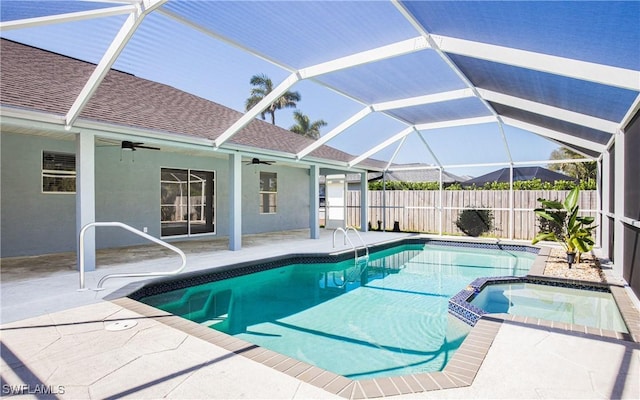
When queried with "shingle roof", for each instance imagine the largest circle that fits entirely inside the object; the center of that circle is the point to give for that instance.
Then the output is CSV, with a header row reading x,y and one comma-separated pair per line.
x,y
519,174
420,175
40,80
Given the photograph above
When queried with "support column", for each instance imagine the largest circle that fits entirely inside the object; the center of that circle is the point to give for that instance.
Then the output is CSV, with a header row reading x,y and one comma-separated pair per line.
x,y
314,202
235,202
511,203
618,245
364,202
86,197
440,200
384,200
604,191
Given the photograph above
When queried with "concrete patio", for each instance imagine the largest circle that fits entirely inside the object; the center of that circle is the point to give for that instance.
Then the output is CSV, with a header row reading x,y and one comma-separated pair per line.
x,y
74,344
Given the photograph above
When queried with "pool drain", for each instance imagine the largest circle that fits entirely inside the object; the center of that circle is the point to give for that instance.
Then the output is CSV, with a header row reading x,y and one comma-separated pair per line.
x,y
121,325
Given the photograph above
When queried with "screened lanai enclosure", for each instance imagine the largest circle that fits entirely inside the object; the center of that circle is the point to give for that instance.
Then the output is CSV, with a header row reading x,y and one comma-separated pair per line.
x,y
463,87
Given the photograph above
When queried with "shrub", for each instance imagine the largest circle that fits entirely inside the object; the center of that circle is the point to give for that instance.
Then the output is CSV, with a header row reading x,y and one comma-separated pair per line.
x,y
475,222
533,184
545,225
576,233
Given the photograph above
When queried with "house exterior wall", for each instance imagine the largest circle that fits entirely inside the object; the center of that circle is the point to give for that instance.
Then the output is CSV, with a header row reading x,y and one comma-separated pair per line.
x,y
32,222
127,191
292,200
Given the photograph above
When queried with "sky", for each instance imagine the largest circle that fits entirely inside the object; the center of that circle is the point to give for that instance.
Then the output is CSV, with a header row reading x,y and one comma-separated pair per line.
x,y
201,65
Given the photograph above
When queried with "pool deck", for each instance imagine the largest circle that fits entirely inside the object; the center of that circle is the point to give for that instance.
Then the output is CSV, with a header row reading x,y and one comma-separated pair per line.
x,y
78,345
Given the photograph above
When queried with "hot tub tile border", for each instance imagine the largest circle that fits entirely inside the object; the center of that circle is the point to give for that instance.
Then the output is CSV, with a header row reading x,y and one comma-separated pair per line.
x,y
460,305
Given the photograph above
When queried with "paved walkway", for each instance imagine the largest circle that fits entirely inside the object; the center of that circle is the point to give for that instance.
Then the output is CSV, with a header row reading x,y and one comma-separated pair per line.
x,y
76,345
34,286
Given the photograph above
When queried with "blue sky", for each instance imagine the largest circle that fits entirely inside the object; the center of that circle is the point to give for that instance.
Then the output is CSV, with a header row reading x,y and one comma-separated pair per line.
x,y
216,71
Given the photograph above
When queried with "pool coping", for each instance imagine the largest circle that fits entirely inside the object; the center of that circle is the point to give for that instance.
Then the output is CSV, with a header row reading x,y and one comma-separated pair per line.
x,y
460,371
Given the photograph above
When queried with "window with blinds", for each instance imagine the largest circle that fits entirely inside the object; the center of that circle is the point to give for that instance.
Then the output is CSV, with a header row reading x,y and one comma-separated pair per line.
x,y
58,172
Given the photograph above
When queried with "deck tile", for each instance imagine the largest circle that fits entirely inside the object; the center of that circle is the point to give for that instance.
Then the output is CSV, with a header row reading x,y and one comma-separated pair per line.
x,y
310,374
297,369
443,380
468,359
275,360
264,356
370,389
358,392
427,381
464,374
400,383
285,365
387,387
460,380
252,351
348,391
324,379
337,385
456,363
413,383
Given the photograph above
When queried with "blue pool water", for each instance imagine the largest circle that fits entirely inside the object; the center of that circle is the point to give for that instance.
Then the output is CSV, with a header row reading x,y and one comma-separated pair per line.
x,y
554,303
391,319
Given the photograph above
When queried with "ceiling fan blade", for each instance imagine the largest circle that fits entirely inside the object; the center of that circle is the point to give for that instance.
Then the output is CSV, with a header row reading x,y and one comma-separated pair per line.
x,y
147,147
256,161
128,145
109,141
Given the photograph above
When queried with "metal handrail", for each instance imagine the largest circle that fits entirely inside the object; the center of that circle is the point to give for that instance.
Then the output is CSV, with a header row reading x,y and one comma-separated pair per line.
x,y
348,239
125,275
348,278
366,249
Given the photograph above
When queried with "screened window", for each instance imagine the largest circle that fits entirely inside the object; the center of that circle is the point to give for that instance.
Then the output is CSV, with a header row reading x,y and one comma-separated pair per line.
x,y
187,202
58,172
268,192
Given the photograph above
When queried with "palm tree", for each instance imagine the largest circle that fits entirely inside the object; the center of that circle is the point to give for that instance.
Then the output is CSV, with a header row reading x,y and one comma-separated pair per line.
x,y
583,171
305,127
262,87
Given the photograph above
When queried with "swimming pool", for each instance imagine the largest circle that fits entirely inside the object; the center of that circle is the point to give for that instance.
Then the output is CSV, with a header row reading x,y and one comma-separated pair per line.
x,y
388,318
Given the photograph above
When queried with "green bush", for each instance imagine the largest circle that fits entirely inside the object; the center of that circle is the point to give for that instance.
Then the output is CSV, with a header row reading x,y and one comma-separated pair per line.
x,y
533,184
475,222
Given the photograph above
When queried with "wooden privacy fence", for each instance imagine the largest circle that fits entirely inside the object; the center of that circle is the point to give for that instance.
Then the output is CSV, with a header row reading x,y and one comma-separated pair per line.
x,y
419,210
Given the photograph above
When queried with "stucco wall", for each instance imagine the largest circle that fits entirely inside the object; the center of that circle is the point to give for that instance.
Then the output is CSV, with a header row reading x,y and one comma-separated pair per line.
x,y
292,204
32,222
127,191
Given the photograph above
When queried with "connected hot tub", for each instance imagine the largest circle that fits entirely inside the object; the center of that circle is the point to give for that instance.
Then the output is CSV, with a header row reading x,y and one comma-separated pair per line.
x,y
586,305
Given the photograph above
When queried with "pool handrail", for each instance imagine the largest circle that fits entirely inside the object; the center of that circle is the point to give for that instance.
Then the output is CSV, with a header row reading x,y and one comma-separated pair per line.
x,y
131,229
345,231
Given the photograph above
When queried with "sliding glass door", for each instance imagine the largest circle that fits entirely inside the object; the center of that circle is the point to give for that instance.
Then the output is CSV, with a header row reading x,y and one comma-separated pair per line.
x,y
187,202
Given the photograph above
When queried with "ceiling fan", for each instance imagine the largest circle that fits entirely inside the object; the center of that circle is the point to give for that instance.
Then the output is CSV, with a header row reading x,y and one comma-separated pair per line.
x,y
127,145
133,146
255,161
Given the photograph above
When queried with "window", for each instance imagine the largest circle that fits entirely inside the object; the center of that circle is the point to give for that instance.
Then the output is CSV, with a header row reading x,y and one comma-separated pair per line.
x,y
58,172
268,192
187,202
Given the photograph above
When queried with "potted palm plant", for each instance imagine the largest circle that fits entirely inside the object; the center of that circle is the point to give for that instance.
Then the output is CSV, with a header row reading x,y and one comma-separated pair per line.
x,y
572,231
